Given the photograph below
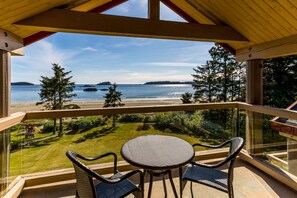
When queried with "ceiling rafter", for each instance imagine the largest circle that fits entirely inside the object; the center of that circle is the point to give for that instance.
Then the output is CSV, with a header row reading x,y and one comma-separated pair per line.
x,y
43,34
59,20
190,19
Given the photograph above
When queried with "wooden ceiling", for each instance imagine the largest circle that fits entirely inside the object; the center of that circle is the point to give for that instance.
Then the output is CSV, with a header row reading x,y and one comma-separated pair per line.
x,y
269,26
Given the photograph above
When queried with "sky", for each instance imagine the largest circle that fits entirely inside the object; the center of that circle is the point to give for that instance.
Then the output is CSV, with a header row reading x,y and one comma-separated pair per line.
x,y
123,60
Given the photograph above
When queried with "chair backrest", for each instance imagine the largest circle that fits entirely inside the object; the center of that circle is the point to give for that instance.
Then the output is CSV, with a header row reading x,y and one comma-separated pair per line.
x,y
84,181
236,144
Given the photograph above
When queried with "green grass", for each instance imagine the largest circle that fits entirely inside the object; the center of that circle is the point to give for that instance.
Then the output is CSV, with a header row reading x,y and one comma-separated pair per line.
x,y
50,154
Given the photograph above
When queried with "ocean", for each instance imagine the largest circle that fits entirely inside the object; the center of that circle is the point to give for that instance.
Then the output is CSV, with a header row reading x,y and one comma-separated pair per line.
x,y
29,93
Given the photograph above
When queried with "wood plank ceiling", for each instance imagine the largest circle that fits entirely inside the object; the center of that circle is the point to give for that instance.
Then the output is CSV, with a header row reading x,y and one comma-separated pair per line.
x,y
260,21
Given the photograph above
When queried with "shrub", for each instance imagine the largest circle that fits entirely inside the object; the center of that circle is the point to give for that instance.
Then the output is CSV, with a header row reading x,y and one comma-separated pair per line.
x,y
143,127
131,118
48,127
85,123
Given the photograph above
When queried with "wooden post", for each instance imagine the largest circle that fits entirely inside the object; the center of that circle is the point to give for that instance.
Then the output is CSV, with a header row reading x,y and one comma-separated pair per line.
x,y
4,112
254,95
292,156
154,9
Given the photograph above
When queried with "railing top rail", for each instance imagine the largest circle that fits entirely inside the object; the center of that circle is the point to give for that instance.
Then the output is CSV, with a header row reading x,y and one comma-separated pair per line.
x,y
16,118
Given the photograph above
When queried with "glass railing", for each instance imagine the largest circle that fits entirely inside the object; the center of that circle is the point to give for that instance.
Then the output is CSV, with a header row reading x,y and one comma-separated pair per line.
x,y
36,148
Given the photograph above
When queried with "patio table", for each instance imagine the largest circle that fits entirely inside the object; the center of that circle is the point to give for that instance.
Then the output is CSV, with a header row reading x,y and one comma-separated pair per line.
x,y
158,155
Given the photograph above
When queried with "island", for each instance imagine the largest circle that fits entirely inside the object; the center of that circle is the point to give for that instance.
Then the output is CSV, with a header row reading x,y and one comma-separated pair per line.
x,y
90,89
87,86
167,82
21,83
104,83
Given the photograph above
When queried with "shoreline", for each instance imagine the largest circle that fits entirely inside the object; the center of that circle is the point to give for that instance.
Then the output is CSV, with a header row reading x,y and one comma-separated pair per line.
x,y
86,104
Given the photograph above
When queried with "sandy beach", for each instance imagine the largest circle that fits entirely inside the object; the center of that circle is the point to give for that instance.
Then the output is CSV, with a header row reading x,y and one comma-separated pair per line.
x,y
30,106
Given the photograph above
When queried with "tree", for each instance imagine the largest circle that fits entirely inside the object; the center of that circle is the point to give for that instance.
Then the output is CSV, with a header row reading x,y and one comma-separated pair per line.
x,y
56,91
113,99
280,79
205,83
187,98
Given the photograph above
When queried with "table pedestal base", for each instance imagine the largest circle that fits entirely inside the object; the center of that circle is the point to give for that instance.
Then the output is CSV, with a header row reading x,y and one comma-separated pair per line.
x,y
162,173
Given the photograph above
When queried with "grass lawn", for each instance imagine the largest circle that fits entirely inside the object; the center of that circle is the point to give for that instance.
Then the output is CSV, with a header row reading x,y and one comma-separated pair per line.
x,y
50,154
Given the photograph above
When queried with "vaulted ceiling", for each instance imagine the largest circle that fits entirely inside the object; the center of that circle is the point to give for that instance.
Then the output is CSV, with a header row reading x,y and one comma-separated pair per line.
x,y
251,29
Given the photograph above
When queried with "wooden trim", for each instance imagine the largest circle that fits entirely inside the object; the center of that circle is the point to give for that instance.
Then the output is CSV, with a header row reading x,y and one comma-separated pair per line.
x,y
58,20
126,110
277,48
16,189
10,41
190,19
280,175
284,113
107,6
18,52
12,120
154,9
43,34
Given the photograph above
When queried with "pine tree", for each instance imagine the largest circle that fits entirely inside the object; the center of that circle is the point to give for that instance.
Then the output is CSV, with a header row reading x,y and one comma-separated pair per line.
x,y
205,83
56,91
187,98
113,99
280,80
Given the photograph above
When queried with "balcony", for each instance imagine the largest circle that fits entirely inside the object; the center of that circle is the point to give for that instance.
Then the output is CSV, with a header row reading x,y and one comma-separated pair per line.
x,y
254,174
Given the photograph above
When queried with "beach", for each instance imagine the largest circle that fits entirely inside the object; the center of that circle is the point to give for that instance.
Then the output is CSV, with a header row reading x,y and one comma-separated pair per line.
x,y
31,106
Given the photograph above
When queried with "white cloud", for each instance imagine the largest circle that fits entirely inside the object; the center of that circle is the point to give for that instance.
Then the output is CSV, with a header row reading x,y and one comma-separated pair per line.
x,y
38,60
90,49
171,64
128,76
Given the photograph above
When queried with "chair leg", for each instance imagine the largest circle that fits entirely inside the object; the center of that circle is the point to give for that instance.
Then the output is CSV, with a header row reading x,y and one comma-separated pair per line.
x,y
164,186
172,184
150,185
191,188
230,192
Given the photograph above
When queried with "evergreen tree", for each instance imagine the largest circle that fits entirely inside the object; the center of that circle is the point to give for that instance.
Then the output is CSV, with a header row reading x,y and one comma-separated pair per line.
x,y
56,91
280,80
205,83
187,98
113,99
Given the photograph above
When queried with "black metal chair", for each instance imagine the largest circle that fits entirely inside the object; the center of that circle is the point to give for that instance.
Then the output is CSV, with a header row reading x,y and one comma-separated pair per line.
x,y
209,174
115,186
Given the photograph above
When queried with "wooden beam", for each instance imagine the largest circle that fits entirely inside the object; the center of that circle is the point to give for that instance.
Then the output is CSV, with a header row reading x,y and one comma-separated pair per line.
x,y
154,9
4,112
18,52
277,48
190,19
57,20
43,34
9,41
254,95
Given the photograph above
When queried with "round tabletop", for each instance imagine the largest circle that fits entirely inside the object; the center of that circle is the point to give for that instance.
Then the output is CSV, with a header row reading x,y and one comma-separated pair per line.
x,y
157,152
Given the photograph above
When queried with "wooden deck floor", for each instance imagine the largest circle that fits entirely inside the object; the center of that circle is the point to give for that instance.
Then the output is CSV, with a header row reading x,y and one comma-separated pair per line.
x,y
249,182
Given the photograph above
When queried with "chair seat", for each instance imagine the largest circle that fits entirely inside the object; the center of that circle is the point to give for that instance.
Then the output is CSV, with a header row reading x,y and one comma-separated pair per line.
x,y
121,189
208,176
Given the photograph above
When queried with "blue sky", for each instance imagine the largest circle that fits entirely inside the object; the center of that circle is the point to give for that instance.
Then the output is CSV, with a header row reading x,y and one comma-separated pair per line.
x,y
94,58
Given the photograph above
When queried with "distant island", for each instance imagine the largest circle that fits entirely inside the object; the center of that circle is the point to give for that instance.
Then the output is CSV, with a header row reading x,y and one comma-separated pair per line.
x,y
104,83
21,83
87,86
90,89
167,82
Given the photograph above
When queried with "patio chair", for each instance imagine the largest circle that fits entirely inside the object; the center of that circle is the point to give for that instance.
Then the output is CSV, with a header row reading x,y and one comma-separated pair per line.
x,y
117,185
209,174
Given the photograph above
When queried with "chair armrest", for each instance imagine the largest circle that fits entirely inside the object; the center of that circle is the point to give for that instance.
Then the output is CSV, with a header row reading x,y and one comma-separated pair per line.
x,y
209,165
121,178
211,146
102,156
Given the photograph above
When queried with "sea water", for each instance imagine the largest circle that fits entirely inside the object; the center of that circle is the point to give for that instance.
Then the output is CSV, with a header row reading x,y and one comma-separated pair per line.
x,y
29,93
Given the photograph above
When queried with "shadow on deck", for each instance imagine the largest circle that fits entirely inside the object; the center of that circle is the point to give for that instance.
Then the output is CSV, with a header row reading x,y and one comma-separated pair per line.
x,y
248,182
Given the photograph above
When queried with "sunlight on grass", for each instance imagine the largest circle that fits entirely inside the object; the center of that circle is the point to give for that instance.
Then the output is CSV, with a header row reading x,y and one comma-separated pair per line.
x,y
50,154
